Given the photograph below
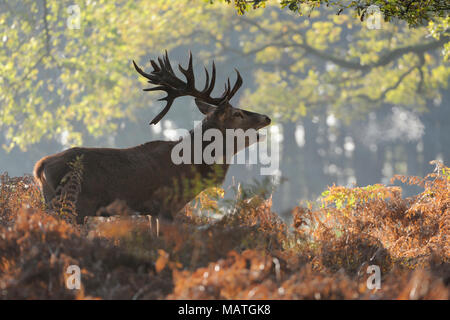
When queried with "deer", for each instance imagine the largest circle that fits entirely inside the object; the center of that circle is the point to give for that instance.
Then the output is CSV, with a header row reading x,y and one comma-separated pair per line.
x,y
144,176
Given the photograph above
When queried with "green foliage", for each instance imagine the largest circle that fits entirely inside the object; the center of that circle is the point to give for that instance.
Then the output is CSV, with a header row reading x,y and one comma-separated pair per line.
x,y
304,65
67,84
439,29
208,199
347,199
414,12
242,6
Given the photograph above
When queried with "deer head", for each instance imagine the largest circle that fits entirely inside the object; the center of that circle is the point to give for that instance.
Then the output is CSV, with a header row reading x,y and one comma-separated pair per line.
x,y
219,112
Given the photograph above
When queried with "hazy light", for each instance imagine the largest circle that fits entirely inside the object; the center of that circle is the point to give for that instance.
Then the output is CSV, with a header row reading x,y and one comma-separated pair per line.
x,y
168,124
300,135
332,169
331,120
351,181
276,133
400,125
157,128
338,150
332,137
329,66
405,124
349,145
65,139
170,134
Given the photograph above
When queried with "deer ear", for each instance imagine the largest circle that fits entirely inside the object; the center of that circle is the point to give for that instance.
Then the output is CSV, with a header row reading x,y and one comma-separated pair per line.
x,y
204,107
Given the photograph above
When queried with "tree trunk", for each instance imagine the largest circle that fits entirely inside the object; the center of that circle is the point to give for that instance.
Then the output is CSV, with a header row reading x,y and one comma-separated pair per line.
x,y
313,164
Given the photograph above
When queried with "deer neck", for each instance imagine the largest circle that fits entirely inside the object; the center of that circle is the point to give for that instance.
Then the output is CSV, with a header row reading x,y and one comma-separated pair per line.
x,y
217,171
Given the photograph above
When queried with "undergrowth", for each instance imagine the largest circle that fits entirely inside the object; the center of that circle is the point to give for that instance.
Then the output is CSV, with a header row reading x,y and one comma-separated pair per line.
x,y
246,252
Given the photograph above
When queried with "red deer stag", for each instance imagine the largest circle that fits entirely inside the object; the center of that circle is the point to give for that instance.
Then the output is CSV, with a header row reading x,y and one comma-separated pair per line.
x,y
145,176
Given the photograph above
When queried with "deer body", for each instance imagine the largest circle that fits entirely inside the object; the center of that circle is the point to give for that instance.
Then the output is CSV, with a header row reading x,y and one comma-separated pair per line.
x,y
147,183
145,177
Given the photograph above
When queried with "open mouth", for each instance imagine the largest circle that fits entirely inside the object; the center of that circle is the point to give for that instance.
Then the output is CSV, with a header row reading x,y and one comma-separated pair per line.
x,y
260,136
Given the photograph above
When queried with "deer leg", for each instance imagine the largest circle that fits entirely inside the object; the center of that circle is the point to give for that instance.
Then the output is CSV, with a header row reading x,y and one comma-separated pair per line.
x,y
158,210
86,207
166,216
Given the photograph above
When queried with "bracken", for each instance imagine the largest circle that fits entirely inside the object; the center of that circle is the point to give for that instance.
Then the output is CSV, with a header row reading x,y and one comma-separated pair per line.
x,y
250,253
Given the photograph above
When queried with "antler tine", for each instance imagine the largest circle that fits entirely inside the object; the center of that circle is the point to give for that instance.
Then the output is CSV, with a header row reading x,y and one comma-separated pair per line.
x,y
160,115
207,91
206,81
140,71
155,66
155,88
189,73
161,63
167,64
236,86
226,92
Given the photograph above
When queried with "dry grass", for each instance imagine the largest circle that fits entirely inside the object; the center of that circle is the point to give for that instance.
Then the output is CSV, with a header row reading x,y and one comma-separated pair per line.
x,y
248,254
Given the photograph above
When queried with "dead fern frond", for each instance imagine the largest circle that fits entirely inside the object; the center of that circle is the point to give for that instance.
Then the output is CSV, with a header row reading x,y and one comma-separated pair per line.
x,y
65,201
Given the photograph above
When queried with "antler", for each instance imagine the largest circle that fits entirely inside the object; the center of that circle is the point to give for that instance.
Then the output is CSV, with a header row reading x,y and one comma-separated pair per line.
x,y
164,77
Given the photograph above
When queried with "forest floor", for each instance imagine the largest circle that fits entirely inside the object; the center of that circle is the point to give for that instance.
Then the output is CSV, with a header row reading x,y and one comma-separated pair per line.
x,y
331,250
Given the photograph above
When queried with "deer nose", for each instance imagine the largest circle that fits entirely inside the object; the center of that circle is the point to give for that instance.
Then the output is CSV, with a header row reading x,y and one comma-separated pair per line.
x,y
267,120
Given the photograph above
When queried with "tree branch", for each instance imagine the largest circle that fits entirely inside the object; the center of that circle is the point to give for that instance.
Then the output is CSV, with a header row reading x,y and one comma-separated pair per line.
x,y
382,61
387,90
